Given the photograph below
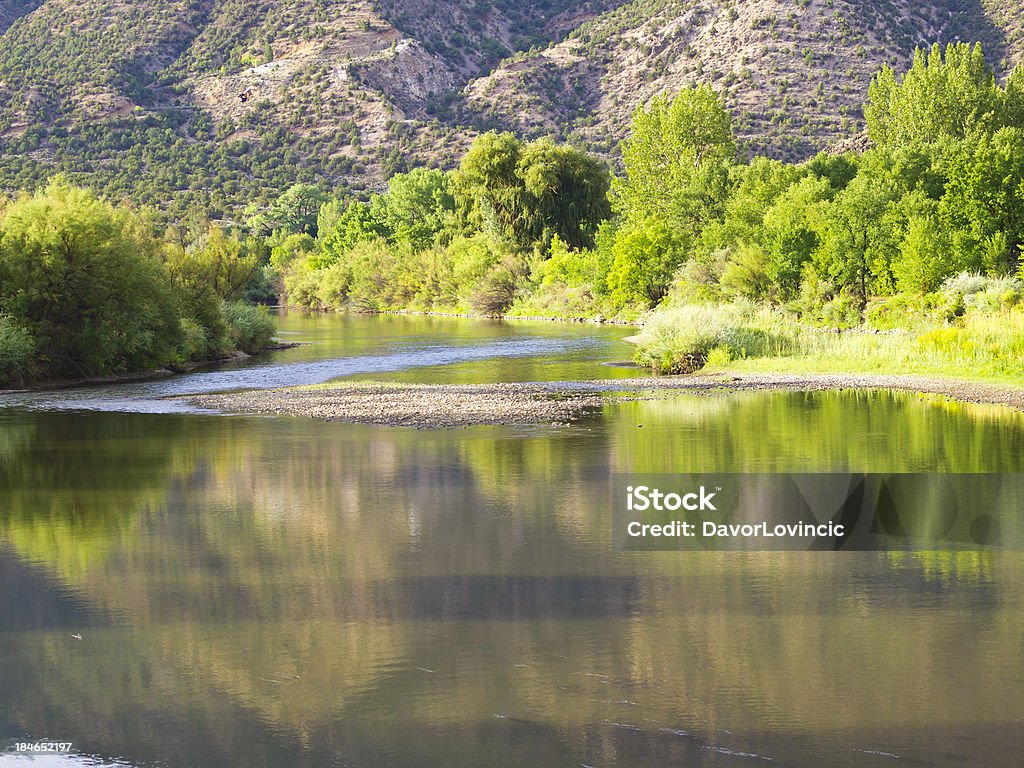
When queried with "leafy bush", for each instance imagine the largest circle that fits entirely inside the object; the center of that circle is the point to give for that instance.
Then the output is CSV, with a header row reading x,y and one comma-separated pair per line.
x,y
965,283
1001,293
17,351
84,278
302,286
842,311
679,340
645,257
988,294
195,343
250,329
496,292
332,286
901,311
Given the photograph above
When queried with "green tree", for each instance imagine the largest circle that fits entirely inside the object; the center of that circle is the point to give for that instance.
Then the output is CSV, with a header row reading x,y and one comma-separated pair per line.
x,y
294,212
291,248
418,206
791,233
951,93
214,270
17,351
217,264
489,191
924,256
645,257
746,272
677,161
566,192
853,233
754,190
358,222
984,197
528,194
83,278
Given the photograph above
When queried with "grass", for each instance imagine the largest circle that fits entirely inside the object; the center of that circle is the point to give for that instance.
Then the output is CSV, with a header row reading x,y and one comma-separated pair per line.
x,y
980,346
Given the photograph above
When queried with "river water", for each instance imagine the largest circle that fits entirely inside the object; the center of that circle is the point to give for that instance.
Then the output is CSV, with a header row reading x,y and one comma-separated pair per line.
x,y
193,589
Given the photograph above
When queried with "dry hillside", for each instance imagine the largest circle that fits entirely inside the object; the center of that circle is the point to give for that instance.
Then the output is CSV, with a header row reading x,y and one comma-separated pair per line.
x,y
226,102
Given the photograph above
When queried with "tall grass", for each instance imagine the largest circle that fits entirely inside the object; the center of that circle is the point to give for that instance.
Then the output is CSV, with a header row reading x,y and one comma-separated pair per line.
x,y
681,339
979,345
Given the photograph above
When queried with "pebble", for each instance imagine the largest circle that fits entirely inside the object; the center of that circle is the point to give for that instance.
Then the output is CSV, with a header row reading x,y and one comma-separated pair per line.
x,y
553,403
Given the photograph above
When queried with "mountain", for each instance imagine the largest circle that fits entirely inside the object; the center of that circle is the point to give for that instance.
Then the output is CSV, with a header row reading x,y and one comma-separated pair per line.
x,y
11,10
794,74
224,103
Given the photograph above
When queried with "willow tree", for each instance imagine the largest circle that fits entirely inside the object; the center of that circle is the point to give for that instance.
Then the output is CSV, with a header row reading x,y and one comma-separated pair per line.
x,y
529,193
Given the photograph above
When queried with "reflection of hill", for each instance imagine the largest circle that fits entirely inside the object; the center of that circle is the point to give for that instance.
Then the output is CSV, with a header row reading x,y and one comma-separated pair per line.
x,y
288,592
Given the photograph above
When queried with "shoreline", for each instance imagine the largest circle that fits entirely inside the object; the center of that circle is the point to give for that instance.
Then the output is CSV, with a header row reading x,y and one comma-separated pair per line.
x,y
568,320
127,377
557,403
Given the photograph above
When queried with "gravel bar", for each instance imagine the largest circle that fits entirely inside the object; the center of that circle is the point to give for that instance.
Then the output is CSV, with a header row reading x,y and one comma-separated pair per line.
x,y
557,403
414,405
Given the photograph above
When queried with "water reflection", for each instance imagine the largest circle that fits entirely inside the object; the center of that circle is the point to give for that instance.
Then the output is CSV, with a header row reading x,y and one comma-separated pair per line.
x,y
212,591
371,345
206,591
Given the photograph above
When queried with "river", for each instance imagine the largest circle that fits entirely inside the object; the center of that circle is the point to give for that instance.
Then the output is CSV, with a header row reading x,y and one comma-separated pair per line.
x,y
191,589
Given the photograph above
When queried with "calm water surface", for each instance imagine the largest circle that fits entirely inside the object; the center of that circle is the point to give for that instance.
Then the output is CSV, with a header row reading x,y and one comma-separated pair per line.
x,y
185,589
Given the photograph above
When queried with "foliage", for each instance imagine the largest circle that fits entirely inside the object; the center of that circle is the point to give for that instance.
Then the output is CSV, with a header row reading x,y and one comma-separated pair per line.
x,y
982,292
293,247
86,289
418,206
539,227
296,211
645,256
680,339
17,351
746,272
250,328
677,159
344,226
825,238
945,94
218,264
84,279
527,194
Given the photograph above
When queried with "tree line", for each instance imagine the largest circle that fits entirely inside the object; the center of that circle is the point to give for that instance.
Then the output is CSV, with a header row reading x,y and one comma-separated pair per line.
x,y
536,228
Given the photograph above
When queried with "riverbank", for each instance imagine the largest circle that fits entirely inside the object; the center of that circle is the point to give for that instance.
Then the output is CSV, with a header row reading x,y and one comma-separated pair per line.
x,y
577,319
128,377
981,345
433,406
